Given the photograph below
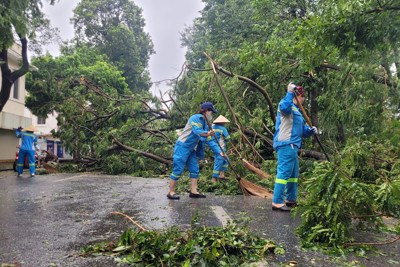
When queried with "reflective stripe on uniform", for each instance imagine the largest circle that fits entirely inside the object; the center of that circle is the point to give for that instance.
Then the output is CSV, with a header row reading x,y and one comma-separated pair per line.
x,y
293,180
216,172
177,176
281,181
197,124
29,135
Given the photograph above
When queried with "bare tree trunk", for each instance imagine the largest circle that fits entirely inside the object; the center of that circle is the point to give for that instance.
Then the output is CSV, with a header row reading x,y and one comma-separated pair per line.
x,y
146,154
9,77
6,82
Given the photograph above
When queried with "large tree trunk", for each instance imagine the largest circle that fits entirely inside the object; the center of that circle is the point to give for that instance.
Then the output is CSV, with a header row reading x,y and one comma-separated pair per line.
x,y
6,85
6,82
9,77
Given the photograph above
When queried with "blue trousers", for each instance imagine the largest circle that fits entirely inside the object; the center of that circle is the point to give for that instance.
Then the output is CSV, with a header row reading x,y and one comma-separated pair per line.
x,y
21,158
220,164
287,174
184,158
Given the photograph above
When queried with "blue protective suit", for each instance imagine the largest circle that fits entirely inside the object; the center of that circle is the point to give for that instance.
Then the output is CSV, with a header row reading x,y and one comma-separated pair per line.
x,y
29,140
190,146
222,135
289,129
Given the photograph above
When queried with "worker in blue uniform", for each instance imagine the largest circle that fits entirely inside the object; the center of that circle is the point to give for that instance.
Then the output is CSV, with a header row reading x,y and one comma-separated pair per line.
x,y
289,129
222,135
27,148
189,146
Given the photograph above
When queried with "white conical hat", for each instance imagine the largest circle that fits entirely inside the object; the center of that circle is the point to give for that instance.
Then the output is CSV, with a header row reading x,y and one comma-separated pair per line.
x,y
30,129
221,119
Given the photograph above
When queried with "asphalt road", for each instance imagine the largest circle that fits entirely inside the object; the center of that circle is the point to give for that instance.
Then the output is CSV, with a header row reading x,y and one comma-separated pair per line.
x,y
45,220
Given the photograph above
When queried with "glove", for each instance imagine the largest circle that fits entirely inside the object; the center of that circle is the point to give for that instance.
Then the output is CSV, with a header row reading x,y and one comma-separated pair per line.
x,y
314,130
291,87
19,128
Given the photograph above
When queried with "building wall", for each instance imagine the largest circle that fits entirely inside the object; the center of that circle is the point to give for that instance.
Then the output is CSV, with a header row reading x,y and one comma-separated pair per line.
x,y
9,145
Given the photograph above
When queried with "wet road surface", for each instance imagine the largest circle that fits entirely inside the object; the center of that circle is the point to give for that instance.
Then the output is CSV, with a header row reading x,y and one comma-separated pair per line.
x,y
45,220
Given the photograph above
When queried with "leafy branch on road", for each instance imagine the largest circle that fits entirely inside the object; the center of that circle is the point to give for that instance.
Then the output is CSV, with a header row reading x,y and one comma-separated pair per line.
x,y
230,245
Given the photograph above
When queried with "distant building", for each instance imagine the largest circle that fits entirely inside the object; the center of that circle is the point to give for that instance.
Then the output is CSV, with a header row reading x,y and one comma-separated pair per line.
x,y
45,139
15,114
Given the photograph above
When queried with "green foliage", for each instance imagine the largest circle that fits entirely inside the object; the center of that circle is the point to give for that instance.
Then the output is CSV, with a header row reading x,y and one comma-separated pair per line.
x,y
23,17
228,187
393,134
94,105
198,246
115,29
68,167
282,41
365,182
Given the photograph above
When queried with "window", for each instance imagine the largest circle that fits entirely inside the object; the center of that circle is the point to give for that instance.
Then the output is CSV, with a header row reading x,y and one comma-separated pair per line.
x,y
15,90
41,120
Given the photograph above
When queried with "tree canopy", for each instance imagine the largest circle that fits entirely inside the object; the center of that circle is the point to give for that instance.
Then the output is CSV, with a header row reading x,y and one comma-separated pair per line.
x,y
341,53
115,28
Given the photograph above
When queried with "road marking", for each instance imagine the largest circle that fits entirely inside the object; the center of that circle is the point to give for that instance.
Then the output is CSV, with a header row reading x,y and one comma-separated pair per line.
x,y
221,214
70,178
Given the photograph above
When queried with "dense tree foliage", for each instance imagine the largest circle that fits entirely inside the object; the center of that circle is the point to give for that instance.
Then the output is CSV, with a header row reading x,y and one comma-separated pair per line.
x,y
98,88
115,28
95,108
341,53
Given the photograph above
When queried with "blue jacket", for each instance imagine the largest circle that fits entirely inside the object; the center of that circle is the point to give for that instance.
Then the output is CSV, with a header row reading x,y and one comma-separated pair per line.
x,y
190,138
222,135
29,139
290,125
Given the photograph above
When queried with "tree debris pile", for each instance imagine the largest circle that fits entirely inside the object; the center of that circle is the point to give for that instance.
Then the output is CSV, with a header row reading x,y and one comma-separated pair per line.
x,y
364,185
198,246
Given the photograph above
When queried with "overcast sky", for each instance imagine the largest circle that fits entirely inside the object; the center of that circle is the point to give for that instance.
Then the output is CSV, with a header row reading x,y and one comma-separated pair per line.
x,y
165,20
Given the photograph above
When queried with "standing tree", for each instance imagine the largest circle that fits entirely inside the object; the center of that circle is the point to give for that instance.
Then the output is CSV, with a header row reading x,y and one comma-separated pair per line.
x,y
115,28
22,20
